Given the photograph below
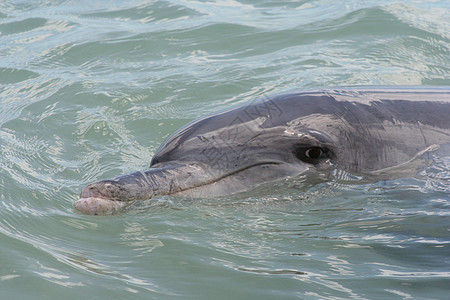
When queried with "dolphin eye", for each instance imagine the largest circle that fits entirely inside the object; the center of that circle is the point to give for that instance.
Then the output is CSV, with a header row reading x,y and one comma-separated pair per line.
x,y
311,154
314,152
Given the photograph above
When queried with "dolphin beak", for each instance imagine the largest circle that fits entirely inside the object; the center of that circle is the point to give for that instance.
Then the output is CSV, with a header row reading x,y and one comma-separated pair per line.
x,y
113,195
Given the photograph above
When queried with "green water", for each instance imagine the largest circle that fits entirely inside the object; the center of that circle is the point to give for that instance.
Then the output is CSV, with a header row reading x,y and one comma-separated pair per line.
x,y
90,89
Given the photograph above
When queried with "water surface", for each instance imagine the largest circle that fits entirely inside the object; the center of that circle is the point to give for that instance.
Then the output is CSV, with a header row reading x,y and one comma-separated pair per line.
x,y
90,89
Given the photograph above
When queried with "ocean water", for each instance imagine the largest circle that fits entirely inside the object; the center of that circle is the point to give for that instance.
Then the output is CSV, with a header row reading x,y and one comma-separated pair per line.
x,y
90,89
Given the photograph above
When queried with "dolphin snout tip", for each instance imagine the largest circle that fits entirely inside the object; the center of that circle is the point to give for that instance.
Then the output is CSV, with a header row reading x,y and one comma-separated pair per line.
x,y
99,206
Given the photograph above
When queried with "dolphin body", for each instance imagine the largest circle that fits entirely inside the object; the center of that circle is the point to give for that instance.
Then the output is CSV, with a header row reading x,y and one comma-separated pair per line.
x,y
359,130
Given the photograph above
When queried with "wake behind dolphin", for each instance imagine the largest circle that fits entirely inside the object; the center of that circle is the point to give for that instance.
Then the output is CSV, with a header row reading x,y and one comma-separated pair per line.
x,y
361,130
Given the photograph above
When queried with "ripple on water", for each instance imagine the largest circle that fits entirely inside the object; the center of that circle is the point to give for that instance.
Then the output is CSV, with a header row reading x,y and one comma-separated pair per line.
x,y
91,91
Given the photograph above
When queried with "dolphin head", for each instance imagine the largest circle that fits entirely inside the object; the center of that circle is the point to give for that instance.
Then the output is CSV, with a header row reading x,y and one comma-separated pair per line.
x,y
222,154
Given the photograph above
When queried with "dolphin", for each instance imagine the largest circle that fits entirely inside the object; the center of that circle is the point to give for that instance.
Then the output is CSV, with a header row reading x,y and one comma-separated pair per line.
x,y
359,130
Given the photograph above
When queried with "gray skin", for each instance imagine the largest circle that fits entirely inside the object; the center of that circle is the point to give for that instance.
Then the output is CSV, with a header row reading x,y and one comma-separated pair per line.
x,y
360,130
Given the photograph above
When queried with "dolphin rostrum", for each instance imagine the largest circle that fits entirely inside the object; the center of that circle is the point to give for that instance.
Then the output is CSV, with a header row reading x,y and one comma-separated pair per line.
x,y
359,130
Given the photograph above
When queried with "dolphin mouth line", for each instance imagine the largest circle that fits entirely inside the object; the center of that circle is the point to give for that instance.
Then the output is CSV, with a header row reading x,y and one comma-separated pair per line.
x,y
226,175
246,168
